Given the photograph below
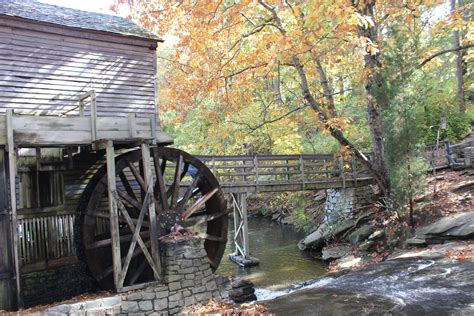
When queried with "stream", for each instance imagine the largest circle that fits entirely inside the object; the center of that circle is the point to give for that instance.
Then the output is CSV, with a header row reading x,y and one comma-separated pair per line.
x,y
282,264
398,287
290,283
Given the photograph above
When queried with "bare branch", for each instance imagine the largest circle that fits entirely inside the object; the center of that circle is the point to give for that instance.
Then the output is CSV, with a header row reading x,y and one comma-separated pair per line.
x,y
427,60
238,72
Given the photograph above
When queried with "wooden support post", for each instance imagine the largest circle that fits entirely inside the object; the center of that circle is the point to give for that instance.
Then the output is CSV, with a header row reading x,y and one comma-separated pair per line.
x,y
13,206
255,166
93,116
132,125
81,107
6,263
341,167
113,208
303,182
153,121
148,177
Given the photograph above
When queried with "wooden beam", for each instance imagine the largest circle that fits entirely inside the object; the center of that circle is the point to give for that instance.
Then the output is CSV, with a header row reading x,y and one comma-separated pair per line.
x,y
93,116
12,183
114,223
153,221
7,289
132,125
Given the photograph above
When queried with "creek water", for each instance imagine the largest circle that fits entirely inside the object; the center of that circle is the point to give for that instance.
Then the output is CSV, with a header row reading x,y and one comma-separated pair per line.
x,y
398,287
290,283
282,264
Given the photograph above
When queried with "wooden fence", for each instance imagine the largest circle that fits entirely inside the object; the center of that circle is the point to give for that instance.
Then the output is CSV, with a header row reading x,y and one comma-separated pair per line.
x,y
45,238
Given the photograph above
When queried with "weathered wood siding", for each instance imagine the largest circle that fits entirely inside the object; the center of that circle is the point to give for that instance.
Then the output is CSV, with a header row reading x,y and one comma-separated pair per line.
x,y
43,70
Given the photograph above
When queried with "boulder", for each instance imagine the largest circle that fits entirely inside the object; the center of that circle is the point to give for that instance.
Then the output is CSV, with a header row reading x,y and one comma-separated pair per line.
x,y
335,252
460,226
242,291
366,245
377,234
348,262
361,234
324,233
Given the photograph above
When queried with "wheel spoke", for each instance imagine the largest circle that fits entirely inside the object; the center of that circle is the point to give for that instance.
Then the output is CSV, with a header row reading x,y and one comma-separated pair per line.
x,y
176,183
195,220
108,241
189,191
199,203
129,199
138,272
160,188
137,175
185,170
127,185
109,270
120,218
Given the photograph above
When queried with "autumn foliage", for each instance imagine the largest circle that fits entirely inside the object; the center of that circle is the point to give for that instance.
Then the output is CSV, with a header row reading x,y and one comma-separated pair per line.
x,y
299,62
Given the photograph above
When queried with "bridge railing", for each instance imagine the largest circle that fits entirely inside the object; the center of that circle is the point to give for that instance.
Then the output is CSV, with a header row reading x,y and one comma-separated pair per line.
x,y
271,169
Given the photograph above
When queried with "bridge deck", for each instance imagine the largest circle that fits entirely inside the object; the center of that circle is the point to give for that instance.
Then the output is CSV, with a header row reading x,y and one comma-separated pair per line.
x,y
277,173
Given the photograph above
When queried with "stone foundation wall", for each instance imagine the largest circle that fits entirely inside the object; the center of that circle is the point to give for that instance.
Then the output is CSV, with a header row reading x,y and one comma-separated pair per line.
x,y
342,202
56,284
188,279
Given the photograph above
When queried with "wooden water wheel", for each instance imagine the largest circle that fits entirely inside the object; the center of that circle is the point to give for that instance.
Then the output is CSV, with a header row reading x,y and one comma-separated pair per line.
x,y
185,194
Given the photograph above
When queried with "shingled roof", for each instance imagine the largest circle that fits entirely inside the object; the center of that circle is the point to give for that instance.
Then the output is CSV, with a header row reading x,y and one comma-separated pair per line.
x,y
48,13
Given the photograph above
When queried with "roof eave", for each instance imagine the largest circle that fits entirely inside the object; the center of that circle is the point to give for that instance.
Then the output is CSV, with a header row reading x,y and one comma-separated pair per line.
x,y
93,31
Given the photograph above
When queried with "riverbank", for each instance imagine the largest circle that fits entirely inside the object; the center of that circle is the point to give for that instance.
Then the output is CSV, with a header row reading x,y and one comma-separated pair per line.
x,y
373,233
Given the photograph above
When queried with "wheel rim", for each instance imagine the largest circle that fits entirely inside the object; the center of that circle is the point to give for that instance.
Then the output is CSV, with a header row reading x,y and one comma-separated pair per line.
x,y
186,193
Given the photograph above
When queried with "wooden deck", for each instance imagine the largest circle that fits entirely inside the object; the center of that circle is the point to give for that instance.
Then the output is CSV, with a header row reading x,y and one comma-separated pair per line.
x,y
74,128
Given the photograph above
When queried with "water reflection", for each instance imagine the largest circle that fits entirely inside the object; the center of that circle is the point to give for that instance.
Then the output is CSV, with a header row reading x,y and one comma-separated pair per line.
x,y
281,262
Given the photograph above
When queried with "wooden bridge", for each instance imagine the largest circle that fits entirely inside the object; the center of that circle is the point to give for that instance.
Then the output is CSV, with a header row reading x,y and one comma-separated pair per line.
x,y
243,175
278,173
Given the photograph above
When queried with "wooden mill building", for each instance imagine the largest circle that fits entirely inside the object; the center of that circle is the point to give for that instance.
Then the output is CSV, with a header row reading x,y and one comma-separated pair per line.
x,y
68,79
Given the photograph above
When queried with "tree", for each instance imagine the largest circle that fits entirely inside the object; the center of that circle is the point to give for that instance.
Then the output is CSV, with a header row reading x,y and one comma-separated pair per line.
x,y
226,48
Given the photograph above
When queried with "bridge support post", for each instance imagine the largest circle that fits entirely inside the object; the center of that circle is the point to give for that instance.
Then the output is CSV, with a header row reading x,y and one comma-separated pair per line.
x,y
241,235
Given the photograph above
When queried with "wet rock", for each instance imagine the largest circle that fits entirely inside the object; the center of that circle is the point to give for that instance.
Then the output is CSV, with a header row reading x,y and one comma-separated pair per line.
x,y
361,233
377,234
348,262
335,252
242,291
325,232
460,226
416,242
366,245
316,239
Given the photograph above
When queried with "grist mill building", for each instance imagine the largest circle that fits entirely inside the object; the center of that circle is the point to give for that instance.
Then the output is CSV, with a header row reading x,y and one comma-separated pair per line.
x,y
86,184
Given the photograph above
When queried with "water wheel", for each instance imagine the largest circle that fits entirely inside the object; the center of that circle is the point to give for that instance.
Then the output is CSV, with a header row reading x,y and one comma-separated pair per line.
x,y
186,195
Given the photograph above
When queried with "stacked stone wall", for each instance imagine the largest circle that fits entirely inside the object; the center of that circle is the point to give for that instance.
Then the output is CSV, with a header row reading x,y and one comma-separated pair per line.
x,y
341,203
187,280
55,284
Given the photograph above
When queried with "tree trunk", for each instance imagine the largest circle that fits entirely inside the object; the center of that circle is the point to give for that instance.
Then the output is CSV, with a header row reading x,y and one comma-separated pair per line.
x,y
373,85
336,133
459,64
